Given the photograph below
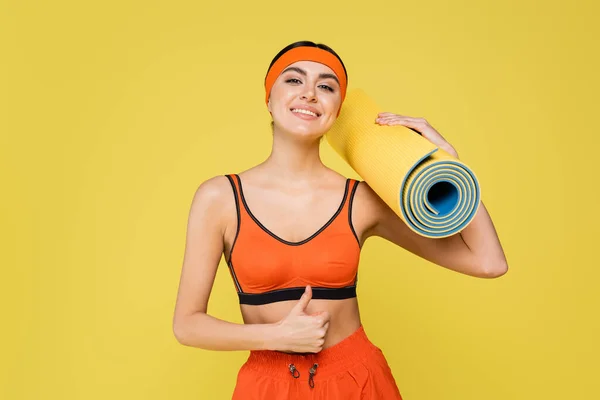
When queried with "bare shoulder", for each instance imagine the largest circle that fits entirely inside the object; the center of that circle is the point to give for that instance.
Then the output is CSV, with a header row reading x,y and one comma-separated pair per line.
x,y
213,189
214,197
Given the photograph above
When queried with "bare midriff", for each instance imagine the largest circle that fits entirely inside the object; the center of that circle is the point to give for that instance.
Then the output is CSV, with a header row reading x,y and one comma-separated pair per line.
x,y
344,315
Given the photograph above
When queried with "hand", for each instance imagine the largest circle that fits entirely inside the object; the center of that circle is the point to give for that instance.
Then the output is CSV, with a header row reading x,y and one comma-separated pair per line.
x,y
300,332
419,125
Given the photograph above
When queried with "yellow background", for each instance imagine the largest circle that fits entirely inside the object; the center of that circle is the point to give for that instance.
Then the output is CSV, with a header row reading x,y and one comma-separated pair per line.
x,y
113,112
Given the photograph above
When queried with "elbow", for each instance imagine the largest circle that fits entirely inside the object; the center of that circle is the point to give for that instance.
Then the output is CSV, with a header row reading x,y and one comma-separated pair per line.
x,y
179,332
494,269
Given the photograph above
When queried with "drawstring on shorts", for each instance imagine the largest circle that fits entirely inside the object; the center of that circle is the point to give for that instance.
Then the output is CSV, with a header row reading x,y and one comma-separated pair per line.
x,y
311,373
272,374
295,373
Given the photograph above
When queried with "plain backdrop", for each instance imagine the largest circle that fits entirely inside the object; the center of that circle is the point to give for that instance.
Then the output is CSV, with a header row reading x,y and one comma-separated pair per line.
x,y
113,112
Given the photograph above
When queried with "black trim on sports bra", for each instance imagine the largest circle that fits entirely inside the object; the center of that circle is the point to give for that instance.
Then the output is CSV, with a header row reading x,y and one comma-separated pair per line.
x,y
350,212
295,294
237,208
283,240
351,200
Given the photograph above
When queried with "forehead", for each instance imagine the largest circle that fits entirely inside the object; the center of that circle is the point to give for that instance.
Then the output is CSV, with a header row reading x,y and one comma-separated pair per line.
x,y
312,67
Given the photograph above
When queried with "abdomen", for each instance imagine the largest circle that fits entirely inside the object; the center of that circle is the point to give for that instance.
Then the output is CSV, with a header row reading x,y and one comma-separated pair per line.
x,y
345,316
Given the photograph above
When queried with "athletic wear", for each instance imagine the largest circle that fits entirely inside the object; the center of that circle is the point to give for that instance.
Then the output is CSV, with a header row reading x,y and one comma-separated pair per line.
x,y
350,370
266,268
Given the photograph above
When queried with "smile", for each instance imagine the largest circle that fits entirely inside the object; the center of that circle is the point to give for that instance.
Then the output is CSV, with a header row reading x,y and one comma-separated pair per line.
x,y
303,111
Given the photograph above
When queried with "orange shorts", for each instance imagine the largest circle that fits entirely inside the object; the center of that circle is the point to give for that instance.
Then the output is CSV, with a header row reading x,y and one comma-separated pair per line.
x,y
350,370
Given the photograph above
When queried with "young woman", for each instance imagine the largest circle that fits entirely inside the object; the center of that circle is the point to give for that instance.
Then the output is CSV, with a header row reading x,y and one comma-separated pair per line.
x,y
291,231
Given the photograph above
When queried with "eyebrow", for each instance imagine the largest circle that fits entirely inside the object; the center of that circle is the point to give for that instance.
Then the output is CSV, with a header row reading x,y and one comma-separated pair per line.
x,y
303,72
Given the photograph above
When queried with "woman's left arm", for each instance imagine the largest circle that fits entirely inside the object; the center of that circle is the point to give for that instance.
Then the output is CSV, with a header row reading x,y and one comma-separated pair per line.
x,y
475,251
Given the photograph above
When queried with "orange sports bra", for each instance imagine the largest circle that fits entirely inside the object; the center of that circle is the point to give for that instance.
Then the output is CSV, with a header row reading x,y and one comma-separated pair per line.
x,y
266,268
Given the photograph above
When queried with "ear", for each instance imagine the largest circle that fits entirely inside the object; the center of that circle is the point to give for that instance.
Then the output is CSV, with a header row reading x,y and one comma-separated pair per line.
x,y
269,105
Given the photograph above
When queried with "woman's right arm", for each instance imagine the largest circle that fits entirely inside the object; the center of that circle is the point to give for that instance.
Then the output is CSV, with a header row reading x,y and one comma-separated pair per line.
x,y
192,326
206,226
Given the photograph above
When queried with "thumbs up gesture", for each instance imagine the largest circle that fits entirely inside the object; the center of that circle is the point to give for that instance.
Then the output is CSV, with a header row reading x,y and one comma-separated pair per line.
x,y
301,332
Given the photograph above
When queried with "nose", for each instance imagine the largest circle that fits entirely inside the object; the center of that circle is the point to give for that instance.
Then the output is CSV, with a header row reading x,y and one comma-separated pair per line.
x,y
309,94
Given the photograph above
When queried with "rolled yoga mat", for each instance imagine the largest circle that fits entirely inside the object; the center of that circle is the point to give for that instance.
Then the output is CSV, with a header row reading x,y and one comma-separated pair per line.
x,y
434,193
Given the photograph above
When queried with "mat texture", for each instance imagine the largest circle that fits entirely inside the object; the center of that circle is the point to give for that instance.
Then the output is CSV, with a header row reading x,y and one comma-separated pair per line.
x,y
434,193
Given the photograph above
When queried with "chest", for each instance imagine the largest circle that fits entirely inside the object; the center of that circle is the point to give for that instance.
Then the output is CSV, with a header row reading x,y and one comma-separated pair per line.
x,y
263,263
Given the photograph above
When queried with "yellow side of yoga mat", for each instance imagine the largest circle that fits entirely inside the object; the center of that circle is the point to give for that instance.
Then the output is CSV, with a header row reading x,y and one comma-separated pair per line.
x,y
436,194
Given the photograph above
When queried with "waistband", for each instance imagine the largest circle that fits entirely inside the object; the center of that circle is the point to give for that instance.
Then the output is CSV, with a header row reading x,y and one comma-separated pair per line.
x,y
331,360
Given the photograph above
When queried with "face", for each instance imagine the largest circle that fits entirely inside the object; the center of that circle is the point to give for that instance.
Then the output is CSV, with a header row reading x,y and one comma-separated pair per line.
x,y
305,99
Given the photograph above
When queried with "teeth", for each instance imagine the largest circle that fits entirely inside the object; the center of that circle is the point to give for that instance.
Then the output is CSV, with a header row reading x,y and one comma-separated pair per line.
x,y
299,110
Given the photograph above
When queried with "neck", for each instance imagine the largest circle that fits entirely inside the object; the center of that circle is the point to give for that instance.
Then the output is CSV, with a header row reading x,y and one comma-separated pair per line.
x,y
293,158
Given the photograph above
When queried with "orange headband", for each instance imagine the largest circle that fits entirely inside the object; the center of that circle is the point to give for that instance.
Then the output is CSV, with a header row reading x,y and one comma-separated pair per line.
x,y
305,53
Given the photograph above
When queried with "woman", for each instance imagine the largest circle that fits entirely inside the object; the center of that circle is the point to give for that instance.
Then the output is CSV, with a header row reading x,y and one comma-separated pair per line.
x,y
291,231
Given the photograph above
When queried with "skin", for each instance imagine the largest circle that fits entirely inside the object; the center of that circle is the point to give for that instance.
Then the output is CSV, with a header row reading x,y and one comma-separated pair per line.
x,y
293,193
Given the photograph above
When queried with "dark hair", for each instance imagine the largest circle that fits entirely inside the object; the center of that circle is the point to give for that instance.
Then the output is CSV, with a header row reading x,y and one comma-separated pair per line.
x,y
306,43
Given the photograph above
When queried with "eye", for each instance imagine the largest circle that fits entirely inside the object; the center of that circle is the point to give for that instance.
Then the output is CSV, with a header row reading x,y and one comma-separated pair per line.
x,y
293,80
327,88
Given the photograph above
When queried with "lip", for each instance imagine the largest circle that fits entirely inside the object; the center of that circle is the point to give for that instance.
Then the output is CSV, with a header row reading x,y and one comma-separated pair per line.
x,y
308,108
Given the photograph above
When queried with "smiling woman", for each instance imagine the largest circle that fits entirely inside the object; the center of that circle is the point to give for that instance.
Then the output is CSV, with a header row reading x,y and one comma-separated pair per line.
x,y
296,75
291,231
